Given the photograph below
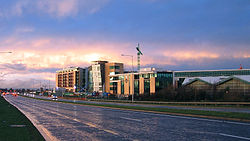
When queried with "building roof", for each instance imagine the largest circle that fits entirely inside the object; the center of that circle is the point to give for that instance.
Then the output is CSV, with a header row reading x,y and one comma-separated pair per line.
x,y
211,73
230,78
217,80
194,80
214,70
69,69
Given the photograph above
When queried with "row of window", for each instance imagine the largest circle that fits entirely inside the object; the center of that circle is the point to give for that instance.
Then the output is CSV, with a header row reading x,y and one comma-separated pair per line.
x,y
212,73
114,67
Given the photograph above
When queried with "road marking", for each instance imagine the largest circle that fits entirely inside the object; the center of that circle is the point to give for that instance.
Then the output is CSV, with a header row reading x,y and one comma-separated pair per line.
x,y
233,136
202,119
91,125
106,130
131,119
109,131
76,120
92,113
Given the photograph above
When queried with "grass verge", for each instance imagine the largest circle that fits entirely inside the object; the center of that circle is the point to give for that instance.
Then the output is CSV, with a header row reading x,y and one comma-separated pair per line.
x,y
195,113
15,126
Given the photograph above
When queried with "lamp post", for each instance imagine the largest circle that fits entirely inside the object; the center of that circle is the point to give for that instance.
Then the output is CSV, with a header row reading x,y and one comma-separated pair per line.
x,y
5,52
132,72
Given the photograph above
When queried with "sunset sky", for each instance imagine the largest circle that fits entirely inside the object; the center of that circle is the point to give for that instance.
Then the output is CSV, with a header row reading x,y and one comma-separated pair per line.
x,y
48,35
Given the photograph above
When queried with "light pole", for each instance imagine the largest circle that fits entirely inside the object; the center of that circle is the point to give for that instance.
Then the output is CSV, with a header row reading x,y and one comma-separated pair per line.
x,y
5,52
132,72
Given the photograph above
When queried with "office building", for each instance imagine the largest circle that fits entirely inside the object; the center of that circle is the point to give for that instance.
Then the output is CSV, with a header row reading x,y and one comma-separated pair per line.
x,y
73,79
151,81
143,82
98,75
112,69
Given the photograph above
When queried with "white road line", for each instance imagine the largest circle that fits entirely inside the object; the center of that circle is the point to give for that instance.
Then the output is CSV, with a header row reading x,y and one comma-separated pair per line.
x,y
194,118
92,113
233,136
109,131
99,128
131,119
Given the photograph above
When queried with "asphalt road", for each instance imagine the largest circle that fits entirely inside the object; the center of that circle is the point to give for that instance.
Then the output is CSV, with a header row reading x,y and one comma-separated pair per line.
x,y
219,109
61,121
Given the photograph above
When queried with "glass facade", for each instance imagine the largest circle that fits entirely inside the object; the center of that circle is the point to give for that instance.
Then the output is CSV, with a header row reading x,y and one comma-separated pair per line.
x,y
163,80
212,73
136,87
122,87
146,86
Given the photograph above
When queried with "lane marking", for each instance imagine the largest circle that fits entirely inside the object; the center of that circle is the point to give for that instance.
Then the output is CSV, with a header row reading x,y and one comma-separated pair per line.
x,y
91,125
92,113
233,136
131,119
202,119
76,120
109,131
106,130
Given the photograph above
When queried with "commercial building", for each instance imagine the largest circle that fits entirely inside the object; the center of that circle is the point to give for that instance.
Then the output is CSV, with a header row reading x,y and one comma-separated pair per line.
x,y
235,81
143,82
151,81
112,69
103,76
72,79
99,75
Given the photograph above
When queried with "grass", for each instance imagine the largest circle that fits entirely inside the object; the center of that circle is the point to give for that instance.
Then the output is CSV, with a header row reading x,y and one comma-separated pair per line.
x,y
9,116
209,114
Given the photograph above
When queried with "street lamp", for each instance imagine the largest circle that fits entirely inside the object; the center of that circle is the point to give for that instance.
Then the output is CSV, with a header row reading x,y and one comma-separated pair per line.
x,y
5,52
132,72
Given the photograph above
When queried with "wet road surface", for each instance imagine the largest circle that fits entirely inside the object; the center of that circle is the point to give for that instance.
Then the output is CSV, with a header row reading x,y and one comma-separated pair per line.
x,y
68,122
219,109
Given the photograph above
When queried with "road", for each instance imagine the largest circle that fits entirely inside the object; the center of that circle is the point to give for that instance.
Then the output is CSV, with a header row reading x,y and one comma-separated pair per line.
x,y
219,109
62,121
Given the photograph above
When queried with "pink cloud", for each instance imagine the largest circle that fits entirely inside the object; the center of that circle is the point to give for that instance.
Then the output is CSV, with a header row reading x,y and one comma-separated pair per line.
x,y
34,55
187,55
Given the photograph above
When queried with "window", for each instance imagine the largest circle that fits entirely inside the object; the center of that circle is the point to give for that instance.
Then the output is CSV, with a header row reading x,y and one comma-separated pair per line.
x,y
114,67
136,76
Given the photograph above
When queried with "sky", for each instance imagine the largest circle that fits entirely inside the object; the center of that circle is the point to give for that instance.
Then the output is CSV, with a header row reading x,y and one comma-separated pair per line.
x,y
47,35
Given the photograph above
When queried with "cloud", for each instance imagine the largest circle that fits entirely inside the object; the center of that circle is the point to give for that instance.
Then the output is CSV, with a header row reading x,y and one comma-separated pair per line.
x,y
17,67
59,8
188,55
28,83
54,8
35,58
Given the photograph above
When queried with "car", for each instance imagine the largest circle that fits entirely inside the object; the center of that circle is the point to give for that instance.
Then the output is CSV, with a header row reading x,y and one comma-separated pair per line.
x,y
54,97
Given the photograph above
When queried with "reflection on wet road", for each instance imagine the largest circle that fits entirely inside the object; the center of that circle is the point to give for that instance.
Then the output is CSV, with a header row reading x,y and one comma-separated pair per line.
x,y
78,122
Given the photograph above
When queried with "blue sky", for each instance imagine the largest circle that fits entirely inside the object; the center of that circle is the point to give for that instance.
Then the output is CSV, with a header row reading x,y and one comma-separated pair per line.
x,y
46,35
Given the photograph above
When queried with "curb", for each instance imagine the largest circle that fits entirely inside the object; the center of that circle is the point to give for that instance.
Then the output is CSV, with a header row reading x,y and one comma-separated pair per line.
x,y
43,131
